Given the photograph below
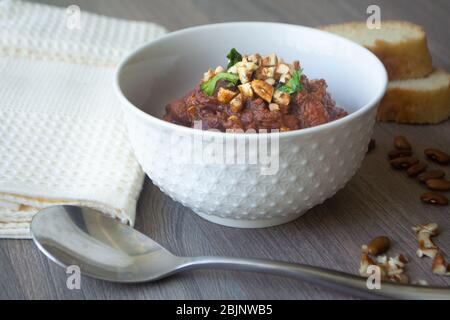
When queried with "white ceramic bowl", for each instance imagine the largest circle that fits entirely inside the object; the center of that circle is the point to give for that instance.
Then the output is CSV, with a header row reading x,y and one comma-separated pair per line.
x,y
314,163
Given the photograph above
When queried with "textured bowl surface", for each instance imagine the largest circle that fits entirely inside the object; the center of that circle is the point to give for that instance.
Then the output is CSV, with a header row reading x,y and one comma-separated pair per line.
x,y
312,164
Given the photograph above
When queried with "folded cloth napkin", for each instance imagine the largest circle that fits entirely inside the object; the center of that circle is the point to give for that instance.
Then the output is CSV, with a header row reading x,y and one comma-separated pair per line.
x,y
62,139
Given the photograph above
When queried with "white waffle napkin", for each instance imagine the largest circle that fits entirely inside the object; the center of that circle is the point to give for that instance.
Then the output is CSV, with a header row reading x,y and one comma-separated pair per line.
x,y
62,140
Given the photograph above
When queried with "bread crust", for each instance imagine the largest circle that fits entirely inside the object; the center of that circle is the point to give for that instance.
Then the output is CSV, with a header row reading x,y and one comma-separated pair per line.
x,y
403,60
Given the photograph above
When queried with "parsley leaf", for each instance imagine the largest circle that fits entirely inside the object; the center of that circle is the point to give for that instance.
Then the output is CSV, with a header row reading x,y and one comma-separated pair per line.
x,y
294,84
233,57
209,86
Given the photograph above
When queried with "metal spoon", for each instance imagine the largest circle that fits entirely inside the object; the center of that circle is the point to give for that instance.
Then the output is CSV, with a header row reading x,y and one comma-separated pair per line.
x,y
104,248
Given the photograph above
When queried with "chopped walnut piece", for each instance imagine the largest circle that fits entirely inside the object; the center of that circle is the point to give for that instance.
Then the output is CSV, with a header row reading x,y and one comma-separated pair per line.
x,y
366,262
219,69
225,95
400,278
391,268
270,61
431,228
426,246
440,267
246,89
382,259
244,75
285,78
420,282
236,103
274,107
263,89
430,253
245,70
267,72
281,97
282,68
255,58
208,75
395,266
232,69
270,81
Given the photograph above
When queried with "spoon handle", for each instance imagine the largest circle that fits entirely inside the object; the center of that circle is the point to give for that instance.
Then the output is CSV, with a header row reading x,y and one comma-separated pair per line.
x,y
341,281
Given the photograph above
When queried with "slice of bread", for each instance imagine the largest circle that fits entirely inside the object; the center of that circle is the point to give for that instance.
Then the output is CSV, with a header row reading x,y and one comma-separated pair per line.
x,y
422,101
400,45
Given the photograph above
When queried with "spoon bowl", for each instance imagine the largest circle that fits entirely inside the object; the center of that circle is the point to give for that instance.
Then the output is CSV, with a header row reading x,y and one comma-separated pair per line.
x,y
102,247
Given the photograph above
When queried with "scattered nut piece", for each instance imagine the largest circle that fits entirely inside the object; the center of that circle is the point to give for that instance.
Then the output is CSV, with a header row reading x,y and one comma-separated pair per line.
x,y
378,245
391,268
429,249
400,278
404,162
420,282
439,266
232,118
437,155
432,174
365,263
434,198
399,154
432,228
438,184
395,266
426,246
382,259
401,143
284,129
430,253
414,170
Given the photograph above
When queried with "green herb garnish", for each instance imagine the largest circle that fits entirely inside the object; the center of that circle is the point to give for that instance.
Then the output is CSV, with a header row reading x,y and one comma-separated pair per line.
x,y
233,57
294,84
209,86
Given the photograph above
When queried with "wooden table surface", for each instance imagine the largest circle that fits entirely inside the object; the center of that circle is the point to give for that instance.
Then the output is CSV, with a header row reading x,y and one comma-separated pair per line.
x,y
376,201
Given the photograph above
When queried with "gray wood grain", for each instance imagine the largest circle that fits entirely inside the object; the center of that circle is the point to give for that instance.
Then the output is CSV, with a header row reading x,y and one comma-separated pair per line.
x,y
376,201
